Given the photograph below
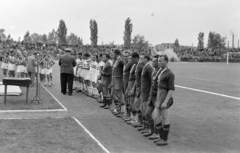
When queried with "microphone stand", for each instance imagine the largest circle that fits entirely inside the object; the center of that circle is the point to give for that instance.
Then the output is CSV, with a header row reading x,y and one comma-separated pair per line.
x,y
37,99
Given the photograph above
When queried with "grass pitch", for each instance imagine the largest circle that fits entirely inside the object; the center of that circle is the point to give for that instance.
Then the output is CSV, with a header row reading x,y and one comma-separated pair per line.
x,y
203,122
19,102
45,136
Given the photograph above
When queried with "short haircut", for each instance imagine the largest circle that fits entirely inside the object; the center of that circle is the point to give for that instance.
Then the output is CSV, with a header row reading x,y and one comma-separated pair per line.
x,y
156,56
107,55
135,55
147,57
34,53
165,57
117,51
80,54
87,55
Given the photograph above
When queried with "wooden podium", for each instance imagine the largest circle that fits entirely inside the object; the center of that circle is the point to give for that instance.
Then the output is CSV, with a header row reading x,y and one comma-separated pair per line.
x,y
23,82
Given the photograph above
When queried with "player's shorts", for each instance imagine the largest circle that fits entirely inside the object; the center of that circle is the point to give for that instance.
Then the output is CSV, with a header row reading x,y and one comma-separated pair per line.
x,y
83,73
50,71
20,69
144,107
161,96
125,84
138,92
80,79
44,71
118,84
4,66
137,103
25,69
152,102
94,77
87,82
11,67
39,69
75,71
130,86
144,96
87,75
79,72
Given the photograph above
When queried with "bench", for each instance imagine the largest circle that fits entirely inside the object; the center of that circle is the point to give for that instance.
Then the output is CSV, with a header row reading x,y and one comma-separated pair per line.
x,y
23,82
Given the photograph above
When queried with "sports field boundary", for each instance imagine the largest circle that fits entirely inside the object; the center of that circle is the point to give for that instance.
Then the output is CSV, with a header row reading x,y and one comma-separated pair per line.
x,y
208,92
55,98
90,134
64,109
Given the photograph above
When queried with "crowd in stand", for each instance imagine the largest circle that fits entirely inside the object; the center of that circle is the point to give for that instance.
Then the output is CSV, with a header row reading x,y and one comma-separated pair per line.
x,y
15,62
210,55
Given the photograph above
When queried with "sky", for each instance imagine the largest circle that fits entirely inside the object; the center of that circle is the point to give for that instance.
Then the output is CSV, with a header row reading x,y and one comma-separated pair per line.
x,y
159,21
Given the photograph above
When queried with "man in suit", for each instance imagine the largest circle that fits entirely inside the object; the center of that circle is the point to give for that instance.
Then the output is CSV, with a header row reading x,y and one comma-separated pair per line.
x,y
106,80
146,79
67,62
32,63
118,80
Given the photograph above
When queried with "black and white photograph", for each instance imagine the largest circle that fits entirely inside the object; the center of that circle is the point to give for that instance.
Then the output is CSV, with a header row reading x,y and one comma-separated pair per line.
x,y
119,76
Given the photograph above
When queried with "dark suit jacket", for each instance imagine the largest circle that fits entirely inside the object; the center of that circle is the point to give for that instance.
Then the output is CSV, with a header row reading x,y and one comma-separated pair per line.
x,y
67,62
126,71
31,64
146,78
118,70
106,74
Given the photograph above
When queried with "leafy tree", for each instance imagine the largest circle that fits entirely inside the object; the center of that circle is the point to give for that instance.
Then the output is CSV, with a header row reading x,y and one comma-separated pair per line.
x,y
139,41
176,43
35,38
2,35
111,43
27,37
8,37
73,39
44,38
52,37
62,32
216,41
127,32
94,32
200,40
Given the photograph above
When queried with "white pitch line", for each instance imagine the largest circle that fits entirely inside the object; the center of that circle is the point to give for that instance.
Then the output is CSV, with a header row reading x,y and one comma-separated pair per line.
x,y
37,111
208,92
208,80
32,111
55,98
91,135
28,118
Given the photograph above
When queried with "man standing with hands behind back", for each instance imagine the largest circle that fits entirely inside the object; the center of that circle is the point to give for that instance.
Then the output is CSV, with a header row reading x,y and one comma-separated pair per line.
x,y
67,62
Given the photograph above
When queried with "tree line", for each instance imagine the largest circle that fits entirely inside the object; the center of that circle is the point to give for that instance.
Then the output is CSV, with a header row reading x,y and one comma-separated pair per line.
x,y
215,41
59,36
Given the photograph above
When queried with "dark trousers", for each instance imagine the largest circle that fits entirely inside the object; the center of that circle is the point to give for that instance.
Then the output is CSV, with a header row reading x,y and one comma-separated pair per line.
x,y
66,80
32,76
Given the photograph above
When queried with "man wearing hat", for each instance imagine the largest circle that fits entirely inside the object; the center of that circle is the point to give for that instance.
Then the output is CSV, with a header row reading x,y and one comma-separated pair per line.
x,y
67,62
